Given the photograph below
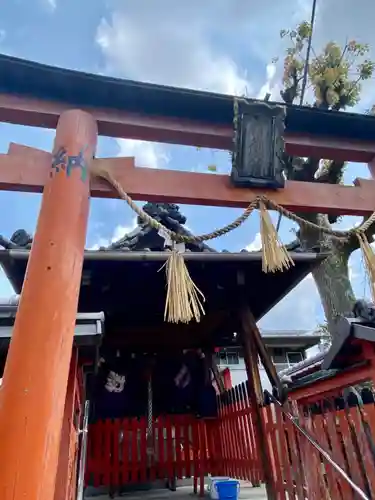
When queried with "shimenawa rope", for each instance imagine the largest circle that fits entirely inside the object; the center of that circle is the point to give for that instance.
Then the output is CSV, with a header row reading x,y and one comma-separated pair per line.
x,y
184,300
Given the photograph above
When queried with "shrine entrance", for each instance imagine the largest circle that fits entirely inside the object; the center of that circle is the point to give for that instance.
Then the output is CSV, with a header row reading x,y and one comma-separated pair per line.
x,y
126,391
158,410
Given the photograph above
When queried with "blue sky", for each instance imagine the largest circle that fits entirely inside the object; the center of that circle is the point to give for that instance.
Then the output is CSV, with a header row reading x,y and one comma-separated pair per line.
x,y
218,46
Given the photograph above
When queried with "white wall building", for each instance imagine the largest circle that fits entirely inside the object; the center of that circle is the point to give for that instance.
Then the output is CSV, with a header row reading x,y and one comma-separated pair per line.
x,y
285,347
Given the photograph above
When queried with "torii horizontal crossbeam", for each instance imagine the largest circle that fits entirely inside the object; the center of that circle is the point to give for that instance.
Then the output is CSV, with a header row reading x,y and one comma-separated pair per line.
x,y
26,169
44,113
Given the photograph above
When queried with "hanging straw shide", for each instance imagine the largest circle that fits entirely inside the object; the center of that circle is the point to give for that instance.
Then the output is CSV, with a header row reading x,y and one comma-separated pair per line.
x,y
275,256
369,259
184,299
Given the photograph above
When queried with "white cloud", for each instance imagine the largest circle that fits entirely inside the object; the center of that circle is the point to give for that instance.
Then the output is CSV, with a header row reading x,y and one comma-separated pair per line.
x,y
169,43
118,233
304,10
52,4
2,35
147,154
271,85
211,45
300,309
256,244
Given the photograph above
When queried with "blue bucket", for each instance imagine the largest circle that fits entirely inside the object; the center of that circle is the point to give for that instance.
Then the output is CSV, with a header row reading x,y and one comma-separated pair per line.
x,y
228,489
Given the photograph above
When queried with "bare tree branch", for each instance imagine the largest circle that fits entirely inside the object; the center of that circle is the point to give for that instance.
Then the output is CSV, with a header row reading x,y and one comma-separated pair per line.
x,y
289,94
333,173
305,170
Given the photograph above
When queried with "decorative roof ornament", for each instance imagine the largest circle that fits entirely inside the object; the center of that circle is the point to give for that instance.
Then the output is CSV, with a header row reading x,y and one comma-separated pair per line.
x,y
145,237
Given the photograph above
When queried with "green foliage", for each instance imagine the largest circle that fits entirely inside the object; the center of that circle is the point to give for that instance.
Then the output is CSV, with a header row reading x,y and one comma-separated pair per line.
x,y
334,78
293,62
335,74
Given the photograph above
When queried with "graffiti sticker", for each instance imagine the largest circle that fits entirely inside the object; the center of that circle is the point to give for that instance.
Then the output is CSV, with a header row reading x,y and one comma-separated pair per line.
x,y
62,162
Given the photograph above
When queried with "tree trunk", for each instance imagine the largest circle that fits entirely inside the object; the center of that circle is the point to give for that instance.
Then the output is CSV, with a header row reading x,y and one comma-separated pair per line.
x,y
334,287
332,276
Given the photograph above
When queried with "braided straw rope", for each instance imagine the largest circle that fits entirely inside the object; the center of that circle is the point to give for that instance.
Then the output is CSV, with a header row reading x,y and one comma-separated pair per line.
x,y
359,232
178,238
184,299
332,232
253,205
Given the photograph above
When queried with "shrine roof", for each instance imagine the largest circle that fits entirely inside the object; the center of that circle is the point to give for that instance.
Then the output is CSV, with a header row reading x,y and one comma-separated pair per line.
x,y
87,332
122,280
349,351
309,365
30,79
129,289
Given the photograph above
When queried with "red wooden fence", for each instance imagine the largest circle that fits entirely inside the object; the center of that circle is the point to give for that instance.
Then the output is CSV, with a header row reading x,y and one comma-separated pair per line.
x,y
118,451
183,446
232,448
298,470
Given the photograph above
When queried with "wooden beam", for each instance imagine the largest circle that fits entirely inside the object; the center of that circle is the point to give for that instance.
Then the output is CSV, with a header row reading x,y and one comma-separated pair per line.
x,y
42,113
330,148
216,372
252,339
250,350
45,114
155,185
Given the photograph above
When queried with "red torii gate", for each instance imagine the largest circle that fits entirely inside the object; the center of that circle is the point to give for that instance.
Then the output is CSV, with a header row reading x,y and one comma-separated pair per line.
x,y
44,326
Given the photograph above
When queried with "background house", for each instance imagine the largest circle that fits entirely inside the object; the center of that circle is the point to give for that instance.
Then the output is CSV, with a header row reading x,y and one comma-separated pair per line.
x,y
287,348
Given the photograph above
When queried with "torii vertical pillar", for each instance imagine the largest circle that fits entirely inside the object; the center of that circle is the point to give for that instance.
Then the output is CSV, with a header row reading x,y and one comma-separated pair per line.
x,y
33,392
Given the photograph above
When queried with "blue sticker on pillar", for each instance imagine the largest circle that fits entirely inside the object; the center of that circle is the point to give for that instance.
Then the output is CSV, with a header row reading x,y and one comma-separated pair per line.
x,y
63,162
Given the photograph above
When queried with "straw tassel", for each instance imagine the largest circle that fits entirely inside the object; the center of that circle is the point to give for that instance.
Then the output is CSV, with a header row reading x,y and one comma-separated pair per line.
x,y
369,259
184,299
275,256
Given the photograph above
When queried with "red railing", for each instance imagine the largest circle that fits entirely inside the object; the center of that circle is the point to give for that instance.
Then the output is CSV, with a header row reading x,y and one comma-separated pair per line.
x,y
232,438
118,451
183,446
298,468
